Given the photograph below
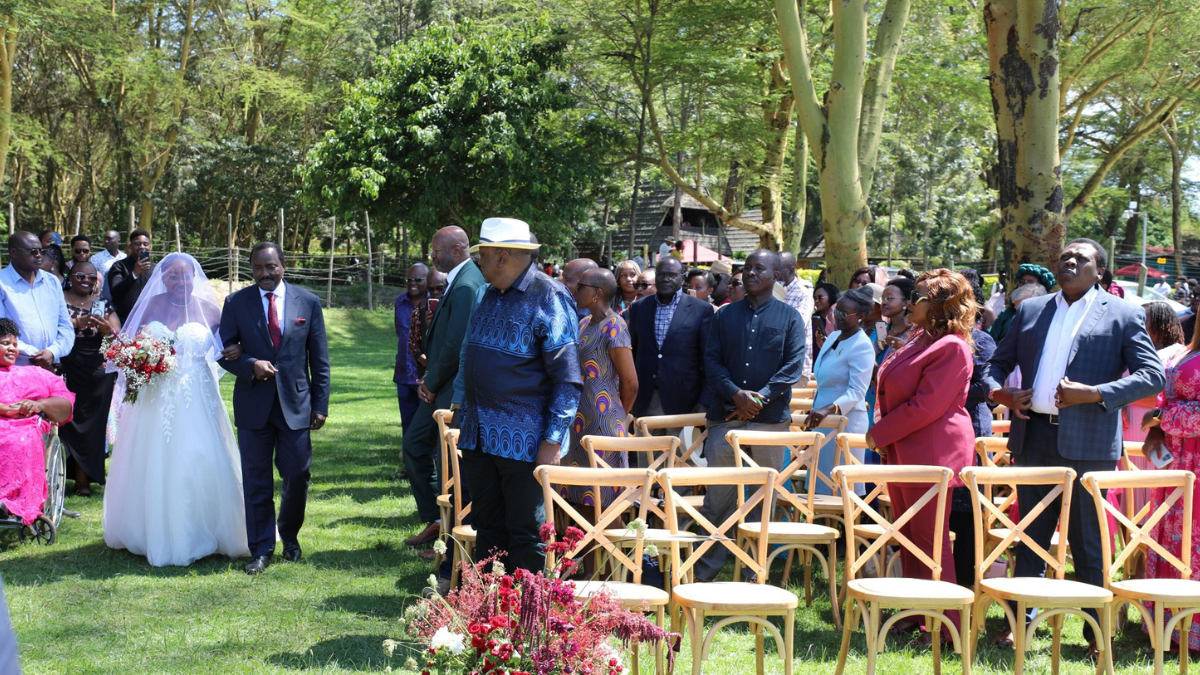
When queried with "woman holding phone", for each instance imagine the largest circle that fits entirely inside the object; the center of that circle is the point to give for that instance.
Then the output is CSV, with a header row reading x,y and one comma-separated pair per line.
x,y
83,369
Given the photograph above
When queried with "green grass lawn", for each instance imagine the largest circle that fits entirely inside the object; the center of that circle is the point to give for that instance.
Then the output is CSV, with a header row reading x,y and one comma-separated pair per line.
x,y
79,607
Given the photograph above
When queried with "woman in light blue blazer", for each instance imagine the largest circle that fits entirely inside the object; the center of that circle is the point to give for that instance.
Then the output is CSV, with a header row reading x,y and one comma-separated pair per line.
x,y
843,369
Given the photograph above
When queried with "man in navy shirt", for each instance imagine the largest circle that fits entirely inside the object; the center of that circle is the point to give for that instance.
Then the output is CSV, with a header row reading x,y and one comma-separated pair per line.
x,y
521,390
754,354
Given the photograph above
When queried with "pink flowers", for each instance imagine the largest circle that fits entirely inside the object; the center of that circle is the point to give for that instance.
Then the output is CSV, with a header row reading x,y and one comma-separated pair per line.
x,y
530,624
140,360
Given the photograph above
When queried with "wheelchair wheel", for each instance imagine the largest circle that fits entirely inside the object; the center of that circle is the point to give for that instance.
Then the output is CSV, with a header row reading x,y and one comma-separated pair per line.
x,y
42,531
56,478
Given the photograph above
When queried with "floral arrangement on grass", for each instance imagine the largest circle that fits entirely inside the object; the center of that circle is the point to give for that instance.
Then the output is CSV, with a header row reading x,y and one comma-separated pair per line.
x,y
525,623
140,360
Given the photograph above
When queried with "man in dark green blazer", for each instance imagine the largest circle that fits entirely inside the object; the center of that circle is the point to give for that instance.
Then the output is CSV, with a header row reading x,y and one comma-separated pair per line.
x,y
450,251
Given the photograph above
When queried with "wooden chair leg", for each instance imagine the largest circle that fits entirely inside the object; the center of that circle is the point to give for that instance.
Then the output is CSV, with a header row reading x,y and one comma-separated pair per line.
x,y
831,572
934,623
744,544
789,630
806,561
1185,631
850,624
658,648
454,566
1018,632
1106,641
695,623
967,652
1056,623
787,568
1161,639
875,647
759,656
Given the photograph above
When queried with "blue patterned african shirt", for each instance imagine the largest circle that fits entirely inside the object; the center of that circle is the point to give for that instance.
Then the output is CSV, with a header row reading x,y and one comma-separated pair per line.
x,y
520,369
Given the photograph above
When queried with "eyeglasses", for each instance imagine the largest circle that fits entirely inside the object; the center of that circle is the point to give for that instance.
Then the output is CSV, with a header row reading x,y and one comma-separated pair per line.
x,y
736,283
916,298
35,252
841,315
416,280
83,250
80,276
437,289
641,285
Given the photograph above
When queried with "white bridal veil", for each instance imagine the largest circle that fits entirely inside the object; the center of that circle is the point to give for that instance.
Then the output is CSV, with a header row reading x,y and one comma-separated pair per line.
x,y
178,293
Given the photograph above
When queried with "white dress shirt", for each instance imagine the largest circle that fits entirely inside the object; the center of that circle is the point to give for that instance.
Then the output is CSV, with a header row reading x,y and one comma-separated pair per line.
x,y
454,272
1052,366
800,297
40,312
104,261
280,295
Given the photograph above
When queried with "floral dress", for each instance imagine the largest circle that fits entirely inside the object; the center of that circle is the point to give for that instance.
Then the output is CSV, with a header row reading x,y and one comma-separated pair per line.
x,y
600,411
1180,403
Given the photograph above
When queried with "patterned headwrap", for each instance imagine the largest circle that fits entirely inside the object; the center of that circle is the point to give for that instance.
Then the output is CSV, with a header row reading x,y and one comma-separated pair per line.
x,y
1045,276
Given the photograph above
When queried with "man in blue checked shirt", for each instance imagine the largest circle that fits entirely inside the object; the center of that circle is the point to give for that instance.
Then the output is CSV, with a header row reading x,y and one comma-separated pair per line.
x,y
521,390
34,299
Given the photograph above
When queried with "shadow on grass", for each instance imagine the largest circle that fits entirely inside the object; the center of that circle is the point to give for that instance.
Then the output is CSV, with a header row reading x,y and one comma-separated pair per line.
x,y
55,563
372,606
359,653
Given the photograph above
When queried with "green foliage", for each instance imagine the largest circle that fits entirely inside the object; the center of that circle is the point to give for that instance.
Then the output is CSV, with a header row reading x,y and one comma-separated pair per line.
x,y
461,124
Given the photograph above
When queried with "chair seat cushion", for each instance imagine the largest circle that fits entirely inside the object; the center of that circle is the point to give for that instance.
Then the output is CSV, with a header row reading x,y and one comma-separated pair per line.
x,y
790,532
1040,592
735,596
911,593
628,594
1183,591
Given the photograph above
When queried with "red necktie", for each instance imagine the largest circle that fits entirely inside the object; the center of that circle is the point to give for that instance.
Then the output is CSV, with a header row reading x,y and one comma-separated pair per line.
x,y
273,321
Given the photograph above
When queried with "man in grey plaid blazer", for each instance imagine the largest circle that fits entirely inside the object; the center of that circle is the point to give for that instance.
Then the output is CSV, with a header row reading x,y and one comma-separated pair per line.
x,y
1074,348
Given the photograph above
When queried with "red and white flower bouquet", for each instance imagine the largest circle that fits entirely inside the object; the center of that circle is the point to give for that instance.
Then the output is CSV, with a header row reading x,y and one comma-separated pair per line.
x,y
524,624
141,360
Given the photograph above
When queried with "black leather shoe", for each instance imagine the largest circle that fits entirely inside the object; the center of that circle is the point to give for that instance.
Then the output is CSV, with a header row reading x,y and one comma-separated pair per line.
x,y
257,565
291,553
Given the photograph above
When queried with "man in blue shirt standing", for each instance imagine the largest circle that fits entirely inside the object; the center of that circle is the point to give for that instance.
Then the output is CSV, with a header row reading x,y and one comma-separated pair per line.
x,y
405,376
34,299
754,354
522,386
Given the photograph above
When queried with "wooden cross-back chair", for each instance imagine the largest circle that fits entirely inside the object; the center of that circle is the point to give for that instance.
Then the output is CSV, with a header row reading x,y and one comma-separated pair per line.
x,y
864,533
828,507
993,452
801,405
602,533
698,423
1054,594
912,597
734,601
463,542
445,505
1179,595
1135,506
802,534
804,392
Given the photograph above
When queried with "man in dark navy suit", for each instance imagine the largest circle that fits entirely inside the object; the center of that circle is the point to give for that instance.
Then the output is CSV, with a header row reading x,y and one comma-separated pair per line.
x,y
669,330
281,394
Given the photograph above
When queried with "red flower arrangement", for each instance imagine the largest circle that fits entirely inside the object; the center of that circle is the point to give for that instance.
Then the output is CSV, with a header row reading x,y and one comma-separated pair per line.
x,y
526,624
141,359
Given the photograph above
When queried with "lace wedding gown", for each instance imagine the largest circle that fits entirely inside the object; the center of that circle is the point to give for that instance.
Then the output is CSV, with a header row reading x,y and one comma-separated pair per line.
x,y
174,490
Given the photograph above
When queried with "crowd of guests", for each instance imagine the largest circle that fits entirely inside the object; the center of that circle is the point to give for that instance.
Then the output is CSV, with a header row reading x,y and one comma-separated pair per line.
x,y
61,309
917,363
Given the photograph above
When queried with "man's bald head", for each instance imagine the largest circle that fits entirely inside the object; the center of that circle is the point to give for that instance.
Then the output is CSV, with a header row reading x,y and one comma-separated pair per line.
x,y
449,248
787,267
574,271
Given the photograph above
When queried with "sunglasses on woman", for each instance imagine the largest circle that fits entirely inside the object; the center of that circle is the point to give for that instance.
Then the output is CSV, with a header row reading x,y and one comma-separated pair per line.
x,y
641,286
915,298
841,315
736,283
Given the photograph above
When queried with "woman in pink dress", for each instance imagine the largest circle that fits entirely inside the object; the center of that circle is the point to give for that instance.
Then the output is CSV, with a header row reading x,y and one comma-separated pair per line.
x,y
1179,432
31,399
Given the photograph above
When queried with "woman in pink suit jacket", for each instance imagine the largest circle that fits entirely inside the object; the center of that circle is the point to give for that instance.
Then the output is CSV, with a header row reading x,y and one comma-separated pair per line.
x,y
921,395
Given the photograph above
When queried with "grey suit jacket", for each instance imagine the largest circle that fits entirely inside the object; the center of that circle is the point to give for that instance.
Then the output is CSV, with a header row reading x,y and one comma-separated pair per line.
x,y
1111,342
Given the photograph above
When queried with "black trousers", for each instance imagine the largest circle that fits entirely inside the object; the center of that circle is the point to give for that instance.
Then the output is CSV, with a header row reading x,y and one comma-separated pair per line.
x,y
422,461
291,450
1083,530
507,509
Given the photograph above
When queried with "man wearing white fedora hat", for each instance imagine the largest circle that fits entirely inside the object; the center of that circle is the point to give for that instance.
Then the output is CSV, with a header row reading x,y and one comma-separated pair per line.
x,y
521,390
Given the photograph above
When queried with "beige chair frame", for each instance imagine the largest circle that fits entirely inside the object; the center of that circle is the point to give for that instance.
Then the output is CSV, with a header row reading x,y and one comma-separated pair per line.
x,y
463,534
1058,599
1164,593
867,598
803,536
445,504
728,599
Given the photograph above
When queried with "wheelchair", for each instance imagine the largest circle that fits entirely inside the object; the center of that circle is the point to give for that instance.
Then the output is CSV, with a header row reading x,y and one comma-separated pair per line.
x,y
44,530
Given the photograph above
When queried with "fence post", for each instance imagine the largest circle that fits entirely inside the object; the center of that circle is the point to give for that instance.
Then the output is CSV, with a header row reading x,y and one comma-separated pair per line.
x,y
131,219
178,245
78,218
12,218
230,272
332,251
281,227
370,267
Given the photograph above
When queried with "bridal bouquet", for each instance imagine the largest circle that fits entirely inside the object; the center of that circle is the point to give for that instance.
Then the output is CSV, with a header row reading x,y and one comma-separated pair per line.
x,y
525,624
141,360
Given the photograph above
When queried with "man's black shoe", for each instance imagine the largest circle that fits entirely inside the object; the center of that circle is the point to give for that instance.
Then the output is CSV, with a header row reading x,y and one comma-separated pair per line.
x,y
291,553
257,565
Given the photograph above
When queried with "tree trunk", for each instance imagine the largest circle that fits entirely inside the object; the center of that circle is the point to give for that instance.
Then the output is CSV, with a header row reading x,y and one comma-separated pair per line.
x,y
793,232
1171,132
1024,74
777,118
9,36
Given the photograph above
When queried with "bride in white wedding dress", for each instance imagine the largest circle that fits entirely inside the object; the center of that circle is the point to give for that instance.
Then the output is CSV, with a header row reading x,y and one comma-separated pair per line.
x,y
174,490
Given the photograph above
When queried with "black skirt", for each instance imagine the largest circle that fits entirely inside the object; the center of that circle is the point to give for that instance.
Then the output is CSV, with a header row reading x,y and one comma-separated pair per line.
x,y
83,436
